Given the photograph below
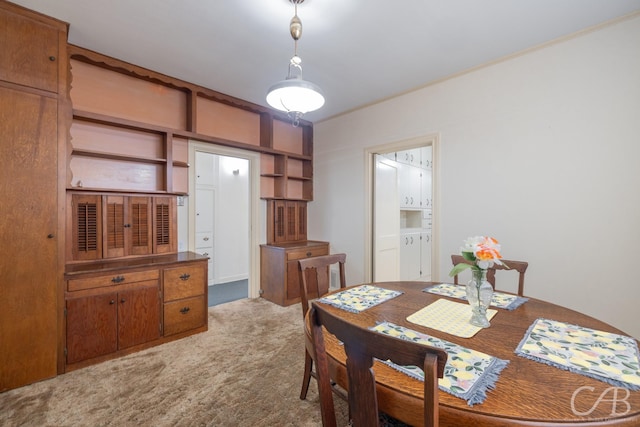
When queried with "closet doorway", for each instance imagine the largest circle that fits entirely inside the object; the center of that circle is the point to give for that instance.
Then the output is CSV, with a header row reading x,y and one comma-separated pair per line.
x,y
223,213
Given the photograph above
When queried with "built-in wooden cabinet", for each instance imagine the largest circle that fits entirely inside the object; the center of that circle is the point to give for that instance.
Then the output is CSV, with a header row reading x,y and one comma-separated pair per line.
x,y
95,153
33,73
114,307
280,273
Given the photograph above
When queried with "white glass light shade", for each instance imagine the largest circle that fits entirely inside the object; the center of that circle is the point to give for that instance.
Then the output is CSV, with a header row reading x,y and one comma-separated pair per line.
x,y
295,95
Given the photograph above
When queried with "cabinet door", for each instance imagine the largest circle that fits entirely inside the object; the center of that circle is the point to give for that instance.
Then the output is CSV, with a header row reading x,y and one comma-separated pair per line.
x,y
86,228
206,168
138,315
91,327
28,226
29,52
278,222
292,222
409,157
138,227
409,187
128,226
410,256
426,189
425,255
165,225
114,226
301,221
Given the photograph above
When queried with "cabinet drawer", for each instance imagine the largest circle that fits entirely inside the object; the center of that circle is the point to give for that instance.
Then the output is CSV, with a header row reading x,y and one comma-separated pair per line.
x,y
307,252
204,240
184,282
111,279
184,315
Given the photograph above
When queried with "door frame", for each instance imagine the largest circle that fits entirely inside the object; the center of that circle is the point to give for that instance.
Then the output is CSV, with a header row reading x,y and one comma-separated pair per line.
x,y
420,141
254,204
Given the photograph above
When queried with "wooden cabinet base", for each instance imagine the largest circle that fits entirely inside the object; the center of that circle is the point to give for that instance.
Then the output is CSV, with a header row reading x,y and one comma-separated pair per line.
x,y
114,308
279,271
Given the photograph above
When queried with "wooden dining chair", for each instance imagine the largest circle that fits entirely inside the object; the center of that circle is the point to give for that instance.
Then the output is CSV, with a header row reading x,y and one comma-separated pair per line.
x,y
317,268
519,266
361,347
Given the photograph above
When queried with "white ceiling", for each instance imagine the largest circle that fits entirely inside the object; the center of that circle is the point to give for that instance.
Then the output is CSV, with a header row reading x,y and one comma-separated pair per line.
x,y
357,51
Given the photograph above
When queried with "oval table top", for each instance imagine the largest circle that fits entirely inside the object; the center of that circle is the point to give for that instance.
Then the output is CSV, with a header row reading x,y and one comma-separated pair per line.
x,y
527,392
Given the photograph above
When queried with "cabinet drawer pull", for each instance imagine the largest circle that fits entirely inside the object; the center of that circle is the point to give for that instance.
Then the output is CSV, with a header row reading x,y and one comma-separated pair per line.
x,y
185,276
112,302
118,279
308,253
206,239
184,310
123,300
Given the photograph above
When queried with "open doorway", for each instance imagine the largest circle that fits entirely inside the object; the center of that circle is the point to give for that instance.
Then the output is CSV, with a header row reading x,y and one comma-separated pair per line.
x,y
223,218
403,210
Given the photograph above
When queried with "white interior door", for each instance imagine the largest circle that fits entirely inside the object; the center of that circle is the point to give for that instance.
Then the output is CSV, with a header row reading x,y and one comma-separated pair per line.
x,y
386,220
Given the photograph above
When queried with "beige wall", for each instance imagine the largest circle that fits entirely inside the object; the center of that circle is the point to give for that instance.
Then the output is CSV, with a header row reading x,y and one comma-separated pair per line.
x,y
540,151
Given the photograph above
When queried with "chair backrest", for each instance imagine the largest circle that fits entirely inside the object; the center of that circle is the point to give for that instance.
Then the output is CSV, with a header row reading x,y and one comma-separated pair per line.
x,y
361,347
318,267
519,266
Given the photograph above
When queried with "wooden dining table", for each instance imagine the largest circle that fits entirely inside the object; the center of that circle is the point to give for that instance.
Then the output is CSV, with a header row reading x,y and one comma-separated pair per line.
x,y
526,393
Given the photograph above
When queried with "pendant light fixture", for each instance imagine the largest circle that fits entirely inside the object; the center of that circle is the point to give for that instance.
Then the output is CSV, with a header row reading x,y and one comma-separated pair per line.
x,y
294,95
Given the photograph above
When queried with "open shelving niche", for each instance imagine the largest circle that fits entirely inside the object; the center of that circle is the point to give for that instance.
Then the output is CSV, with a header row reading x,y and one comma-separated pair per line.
x,y
288,171
148,147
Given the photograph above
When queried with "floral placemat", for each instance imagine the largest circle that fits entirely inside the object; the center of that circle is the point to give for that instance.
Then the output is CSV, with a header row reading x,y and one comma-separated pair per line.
x,y
359,298
448,316
468,374
605,356
499,299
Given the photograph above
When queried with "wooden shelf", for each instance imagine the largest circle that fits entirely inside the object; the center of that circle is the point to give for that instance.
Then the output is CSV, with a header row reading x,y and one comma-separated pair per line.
x,y
118,122
113,156
121,191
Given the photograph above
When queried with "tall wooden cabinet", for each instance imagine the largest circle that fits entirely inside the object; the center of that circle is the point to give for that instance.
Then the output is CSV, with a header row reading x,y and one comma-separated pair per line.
x,y
33,73
286,244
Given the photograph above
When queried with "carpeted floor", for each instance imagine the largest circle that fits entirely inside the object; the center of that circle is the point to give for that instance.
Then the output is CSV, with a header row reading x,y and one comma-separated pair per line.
x,y
244,371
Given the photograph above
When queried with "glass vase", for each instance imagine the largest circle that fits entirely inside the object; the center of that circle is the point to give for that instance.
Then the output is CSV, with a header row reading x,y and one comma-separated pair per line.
x,y
479,293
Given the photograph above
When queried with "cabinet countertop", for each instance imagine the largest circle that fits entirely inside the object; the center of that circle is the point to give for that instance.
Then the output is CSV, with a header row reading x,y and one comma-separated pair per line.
x,y
106,266
299,244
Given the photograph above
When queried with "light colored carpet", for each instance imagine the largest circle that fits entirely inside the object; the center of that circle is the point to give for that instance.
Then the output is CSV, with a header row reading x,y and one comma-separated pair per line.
x,y
245,370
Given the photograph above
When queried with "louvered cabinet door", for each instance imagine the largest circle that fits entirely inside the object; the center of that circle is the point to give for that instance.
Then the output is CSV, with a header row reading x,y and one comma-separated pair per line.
x,y
114,226
86,226
139,226
286,221
164,225
128,226
117,226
